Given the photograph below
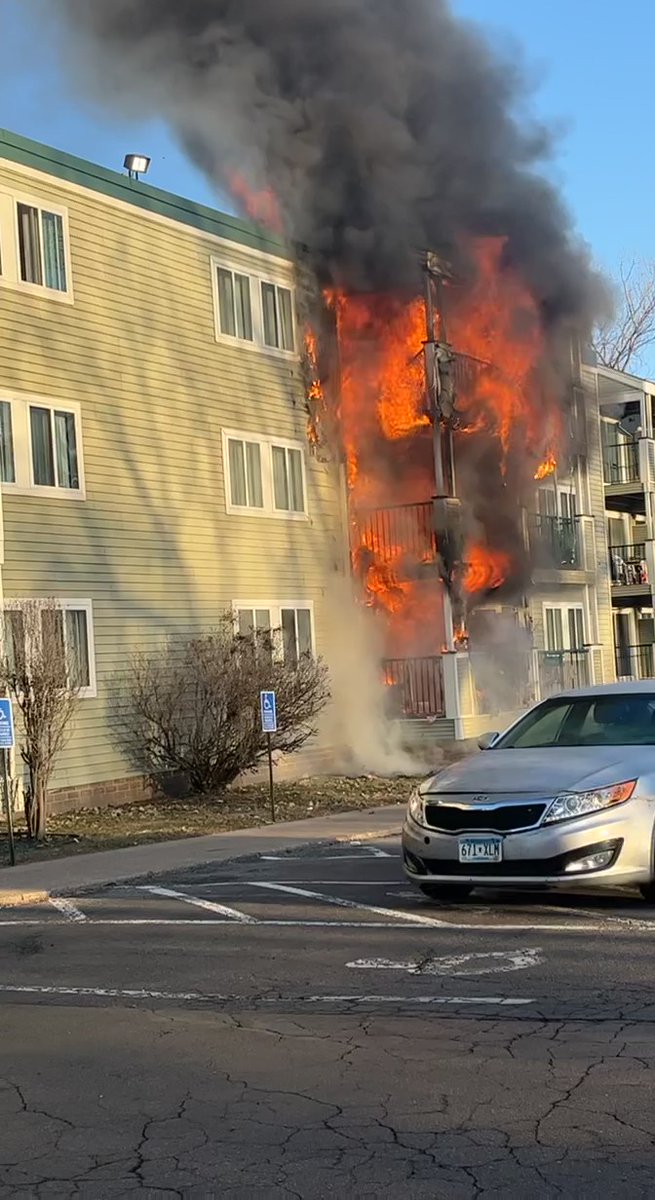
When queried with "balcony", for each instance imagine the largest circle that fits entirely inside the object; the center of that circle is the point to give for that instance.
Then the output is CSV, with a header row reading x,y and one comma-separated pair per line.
x,y
621,463
635,662
555,542
416,687
404,531
630,571
628,471
560,670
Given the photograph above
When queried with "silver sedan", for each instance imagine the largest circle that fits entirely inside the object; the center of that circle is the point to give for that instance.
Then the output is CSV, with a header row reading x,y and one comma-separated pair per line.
x,y
565,796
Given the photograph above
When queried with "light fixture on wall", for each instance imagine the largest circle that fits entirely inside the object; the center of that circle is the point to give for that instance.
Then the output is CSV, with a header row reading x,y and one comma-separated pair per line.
x,y
137,164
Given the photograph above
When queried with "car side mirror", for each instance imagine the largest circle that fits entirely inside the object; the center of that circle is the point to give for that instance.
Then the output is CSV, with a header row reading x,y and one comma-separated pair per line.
x,y
487,740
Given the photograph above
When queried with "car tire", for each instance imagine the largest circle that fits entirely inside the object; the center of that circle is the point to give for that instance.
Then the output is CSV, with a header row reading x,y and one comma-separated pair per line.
x,y
648,891
446,891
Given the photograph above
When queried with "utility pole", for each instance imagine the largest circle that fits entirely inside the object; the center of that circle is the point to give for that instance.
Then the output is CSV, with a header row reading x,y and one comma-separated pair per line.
x,y
440,383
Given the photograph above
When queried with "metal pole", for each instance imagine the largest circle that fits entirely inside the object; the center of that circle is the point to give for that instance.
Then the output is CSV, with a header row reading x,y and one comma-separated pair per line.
x,y
271,781
10,815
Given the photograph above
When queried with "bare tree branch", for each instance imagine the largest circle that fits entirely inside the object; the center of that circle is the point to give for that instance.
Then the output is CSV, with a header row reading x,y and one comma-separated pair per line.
x,y
620,342
192,707
37,673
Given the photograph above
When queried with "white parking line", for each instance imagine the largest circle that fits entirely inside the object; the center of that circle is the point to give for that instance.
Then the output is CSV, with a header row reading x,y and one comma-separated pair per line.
x,y
148,994
209,905
412,918
67,908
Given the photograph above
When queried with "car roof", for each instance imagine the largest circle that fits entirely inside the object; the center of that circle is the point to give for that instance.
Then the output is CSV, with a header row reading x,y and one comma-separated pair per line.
x,y
639,687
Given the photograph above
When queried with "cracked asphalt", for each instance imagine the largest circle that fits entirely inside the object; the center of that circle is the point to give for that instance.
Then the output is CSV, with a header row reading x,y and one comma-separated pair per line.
x,y
310,1027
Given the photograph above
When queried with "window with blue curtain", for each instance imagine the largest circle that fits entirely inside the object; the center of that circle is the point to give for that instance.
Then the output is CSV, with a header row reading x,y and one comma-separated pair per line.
x,y
66,450
54,251
43,462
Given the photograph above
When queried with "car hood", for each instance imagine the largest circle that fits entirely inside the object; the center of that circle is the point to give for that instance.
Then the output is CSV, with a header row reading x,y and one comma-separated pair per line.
x,y
543,771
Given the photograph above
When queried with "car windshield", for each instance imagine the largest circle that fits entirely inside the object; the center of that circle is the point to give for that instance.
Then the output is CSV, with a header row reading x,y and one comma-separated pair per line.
x,y
613,720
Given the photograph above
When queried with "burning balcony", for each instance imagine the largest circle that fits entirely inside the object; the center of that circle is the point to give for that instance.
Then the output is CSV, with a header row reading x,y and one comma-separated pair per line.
x,y
416,687
402,533
556,542
560,670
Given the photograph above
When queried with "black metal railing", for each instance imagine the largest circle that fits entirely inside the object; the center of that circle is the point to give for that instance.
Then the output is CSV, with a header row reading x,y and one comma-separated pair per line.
x,y
556,541
628,565
635,662
621,462
415,686
560,670
402,531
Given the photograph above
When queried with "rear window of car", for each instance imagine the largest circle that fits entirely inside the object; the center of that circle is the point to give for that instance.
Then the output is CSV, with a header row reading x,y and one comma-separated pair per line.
x,y
614,720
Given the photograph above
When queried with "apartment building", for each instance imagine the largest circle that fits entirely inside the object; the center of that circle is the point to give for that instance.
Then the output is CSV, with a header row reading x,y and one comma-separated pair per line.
x,y
154,458
627,410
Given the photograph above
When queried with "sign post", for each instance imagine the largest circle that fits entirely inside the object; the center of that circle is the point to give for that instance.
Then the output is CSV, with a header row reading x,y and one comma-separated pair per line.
x,y
268,706
7,744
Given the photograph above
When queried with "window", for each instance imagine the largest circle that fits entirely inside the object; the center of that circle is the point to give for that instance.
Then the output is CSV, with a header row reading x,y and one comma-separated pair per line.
x,y
34,246
234,305
612,720
264,477
564,627
7,465
42,247
245,465
253,308
291,626
63,625
40,447
278,318
287,479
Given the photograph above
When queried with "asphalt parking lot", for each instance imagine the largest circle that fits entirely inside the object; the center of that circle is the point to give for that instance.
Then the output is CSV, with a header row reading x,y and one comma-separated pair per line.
x,y
310,1026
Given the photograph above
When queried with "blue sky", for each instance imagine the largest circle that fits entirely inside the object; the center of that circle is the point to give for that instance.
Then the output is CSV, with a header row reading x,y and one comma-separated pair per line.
x,y
591,61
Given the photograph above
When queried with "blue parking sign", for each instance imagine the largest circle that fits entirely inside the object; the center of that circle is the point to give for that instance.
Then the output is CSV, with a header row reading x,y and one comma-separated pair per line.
x,y
269,712
6,725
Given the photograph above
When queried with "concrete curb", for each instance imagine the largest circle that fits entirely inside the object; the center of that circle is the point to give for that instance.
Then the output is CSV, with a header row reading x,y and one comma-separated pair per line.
x,y
34,883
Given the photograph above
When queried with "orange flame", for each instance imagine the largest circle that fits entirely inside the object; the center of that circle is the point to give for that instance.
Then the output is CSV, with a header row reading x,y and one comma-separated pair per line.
x,y
547,467
486,569
261,205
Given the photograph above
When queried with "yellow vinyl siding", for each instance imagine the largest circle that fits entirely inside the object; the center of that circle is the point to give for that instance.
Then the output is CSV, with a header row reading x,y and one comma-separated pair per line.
x,y
152,545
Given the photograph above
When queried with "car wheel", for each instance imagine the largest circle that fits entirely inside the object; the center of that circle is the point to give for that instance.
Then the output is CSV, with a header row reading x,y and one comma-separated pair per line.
x,y
446,891
648,891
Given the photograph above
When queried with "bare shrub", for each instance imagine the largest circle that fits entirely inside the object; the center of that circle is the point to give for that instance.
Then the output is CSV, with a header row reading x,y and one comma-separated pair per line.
x,y
192,707
39,674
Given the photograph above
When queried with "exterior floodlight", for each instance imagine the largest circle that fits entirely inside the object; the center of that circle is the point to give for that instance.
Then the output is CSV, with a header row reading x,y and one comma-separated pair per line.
x,y
137,164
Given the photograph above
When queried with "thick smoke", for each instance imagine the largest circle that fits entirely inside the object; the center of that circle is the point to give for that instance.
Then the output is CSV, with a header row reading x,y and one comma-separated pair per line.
x,y
384,128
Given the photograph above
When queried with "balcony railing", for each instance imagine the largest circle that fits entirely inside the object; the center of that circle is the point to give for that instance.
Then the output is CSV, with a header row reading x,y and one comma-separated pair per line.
x,y
635,662
628,565
621,462
415,686
560,670
556,541
403,531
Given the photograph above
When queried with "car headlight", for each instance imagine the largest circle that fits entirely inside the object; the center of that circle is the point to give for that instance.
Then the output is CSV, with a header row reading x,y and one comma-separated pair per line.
x,y
416,807
580,804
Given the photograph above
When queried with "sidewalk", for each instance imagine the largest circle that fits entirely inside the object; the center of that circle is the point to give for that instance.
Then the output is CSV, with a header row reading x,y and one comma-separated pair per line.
x,y
33,882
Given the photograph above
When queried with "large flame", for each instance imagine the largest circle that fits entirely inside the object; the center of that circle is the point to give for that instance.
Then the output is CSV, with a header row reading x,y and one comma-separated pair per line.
x,y
495,330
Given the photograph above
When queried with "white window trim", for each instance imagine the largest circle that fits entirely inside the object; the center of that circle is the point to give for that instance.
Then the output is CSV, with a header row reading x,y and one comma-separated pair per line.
x,y
564,607
266,444
21,402
275,609
10,246
279,277
86,693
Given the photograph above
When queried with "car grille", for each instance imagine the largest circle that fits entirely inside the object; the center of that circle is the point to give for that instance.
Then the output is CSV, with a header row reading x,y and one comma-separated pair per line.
x,y
450,818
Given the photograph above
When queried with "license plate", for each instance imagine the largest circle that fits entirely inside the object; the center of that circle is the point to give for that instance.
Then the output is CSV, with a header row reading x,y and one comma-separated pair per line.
x,y
481,850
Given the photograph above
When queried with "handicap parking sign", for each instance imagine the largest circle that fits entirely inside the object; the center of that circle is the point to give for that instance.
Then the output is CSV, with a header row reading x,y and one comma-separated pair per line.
x,y
269,712
6,725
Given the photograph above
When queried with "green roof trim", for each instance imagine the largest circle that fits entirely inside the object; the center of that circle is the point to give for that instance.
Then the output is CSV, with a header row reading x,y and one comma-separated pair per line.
x,y
151,199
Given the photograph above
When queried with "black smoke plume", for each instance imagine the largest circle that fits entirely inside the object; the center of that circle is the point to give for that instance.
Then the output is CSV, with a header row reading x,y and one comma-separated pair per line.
x,y
384,128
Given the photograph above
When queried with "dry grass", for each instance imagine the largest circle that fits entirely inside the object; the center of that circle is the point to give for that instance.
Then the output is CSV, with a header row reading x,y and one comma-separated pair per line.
x,y
166,819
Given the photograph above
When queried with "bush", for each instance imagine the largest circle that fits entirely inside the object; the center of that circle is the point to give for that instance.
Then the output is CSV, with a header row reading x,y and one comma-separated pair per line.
x,y
193,707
